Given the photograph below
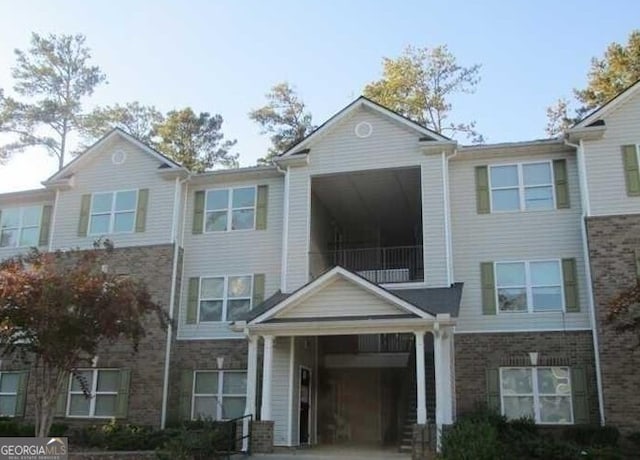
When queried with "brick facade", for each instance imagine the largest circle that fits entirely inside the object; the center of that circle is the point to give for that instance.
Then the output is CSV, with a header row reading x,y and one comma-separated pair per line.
x,y
612,242
153,266
475,353
261,437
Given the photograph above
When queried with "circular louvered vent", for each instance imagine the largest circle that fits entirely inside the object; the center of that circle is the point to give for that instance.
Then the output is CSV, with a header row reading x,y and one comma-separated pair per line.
x,y
363,129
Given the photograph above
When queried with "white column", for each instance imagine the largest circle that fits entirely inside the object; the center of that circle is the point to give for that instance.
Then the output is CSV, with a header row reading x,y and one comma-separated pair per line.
x,y
265,412
252,373
442,354
420,379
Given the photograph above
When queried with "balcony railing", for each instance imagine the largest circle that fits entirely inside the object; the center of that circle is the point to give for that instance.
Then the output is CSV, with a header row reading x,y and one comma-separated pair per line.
x,y
398,264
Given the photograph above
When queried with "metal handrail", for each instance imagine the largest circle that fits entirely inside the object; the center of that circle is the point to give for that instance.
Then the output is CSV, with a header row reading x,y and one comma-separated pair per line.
x,y
233,441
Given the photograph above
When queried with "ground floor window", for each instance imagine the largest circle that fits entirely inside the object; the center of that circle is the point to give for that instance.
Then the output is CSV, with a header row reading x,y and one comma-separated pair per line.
x,y
103,386
9,384
218,395
540,393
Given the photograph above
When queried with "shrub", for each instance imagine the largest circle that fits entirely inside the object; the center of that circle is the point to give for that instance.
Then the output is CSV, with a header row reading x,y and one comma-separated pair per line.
x,y
471,439
14,428
196,444
592,435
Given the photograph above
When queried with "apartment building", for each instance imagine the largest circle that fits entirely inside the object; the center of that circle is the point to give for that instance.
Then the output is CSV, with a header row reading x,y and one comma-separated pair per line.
x,y
376,282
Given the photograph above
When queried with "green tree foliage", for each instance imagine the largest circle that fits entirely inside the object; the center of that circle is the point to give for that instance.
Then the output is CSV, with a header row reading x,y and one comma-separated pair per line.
x,y
57,308
52,78
420,85
618,69
136,119
284,117
195,141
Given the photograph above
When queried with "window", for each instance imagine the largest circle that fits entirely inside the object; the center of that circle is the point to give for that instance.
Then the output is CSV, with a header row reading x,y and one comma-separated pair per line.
x,y
9,383
540,393
103,386
529,286
225,298
113,212
521,187
20,227
218,395
230,209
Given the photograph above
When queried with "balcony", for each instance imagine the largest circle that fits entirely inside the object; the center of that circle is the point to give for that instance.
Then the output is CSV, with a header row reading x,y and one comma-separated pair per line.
x,y
382,265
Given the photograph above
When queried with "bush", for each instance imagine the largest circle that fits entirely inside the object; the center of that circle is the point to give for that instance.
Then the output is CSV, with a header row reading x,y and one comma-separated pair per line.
x,y
196,444
592,435
118,436
14,428
471,439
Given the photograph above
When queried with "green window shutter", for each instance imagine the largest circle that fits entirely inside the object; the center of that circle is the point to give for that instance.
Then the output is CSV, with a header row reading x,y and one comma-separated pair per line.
x,y
493,390
579,395
637,258
258,290
483,201
192,300
45,225
122,401
261,207
186,387
198,213
569,276
21,397
141,211
61,402
561,183
488,288
631,171
85,209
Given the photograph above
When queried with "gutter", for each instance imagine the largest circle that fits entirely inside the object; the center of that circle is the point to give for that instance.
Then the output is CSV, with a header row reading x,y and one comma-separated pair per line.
x,y
172,295
586,212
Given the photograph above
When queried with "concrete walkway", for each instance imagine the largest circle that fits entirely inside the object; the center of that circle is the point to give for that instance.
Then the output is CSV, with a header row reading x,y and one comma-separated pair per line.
x,y
336,452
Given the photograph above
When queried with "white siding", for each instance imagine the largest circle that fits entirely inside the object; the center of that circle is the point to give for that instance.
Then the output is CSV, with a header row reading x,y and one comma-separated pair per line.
x,y
140,170
280,390
231,253
390,145
340,298
511,236
603,159
8,202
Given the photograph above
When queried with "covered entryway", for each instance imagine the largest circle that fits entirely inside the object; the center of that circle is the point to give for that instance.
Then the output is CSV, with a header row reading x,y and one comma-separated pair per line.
x,y
341,311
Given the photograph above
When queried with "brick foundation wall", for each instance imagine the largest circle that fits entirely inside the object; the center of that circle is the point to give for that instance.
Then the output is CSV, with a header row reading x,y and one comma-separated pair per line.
x,y
261,436
153,266
474,353
612,242
423,442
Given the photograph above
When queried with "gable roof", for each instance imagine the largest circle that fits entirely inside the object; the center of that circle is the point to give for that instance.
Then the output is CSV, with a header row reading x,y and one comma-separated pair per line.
x,y
608,106
419,302
363,101
75,164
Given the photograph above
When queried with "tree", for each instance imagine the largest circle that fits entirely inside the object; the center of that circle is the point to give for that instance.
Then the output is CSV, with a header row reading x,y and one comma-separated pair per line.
x,y
420,85
284,118
53,77
56,309
134,118
618,69
195,141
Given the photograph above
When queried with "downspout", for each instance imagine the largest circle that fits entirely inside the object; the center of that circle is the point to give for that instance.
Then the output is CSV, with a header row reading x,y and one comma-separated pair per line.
x,y
447,214
53,220
586,212
172,295
285,229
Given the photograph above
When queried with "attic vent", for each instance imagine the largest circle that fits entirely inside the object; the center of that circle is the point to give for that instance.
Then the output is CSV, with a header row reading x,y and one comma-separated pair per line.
x,y
118,157
363,129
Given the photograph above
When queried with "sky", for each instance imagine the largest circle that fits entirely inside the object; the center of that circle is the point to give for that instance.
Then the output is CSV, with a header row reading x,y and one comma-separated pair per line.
x,y
223,56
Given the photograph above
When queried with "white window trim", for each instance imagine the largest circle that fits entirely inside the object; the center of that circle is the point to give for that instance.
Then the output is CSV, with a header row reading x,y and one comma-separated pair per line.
x,y
229,209
94,393
225,293
6,393
537,395
22,227
528,286
112,213
521,187
219,395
